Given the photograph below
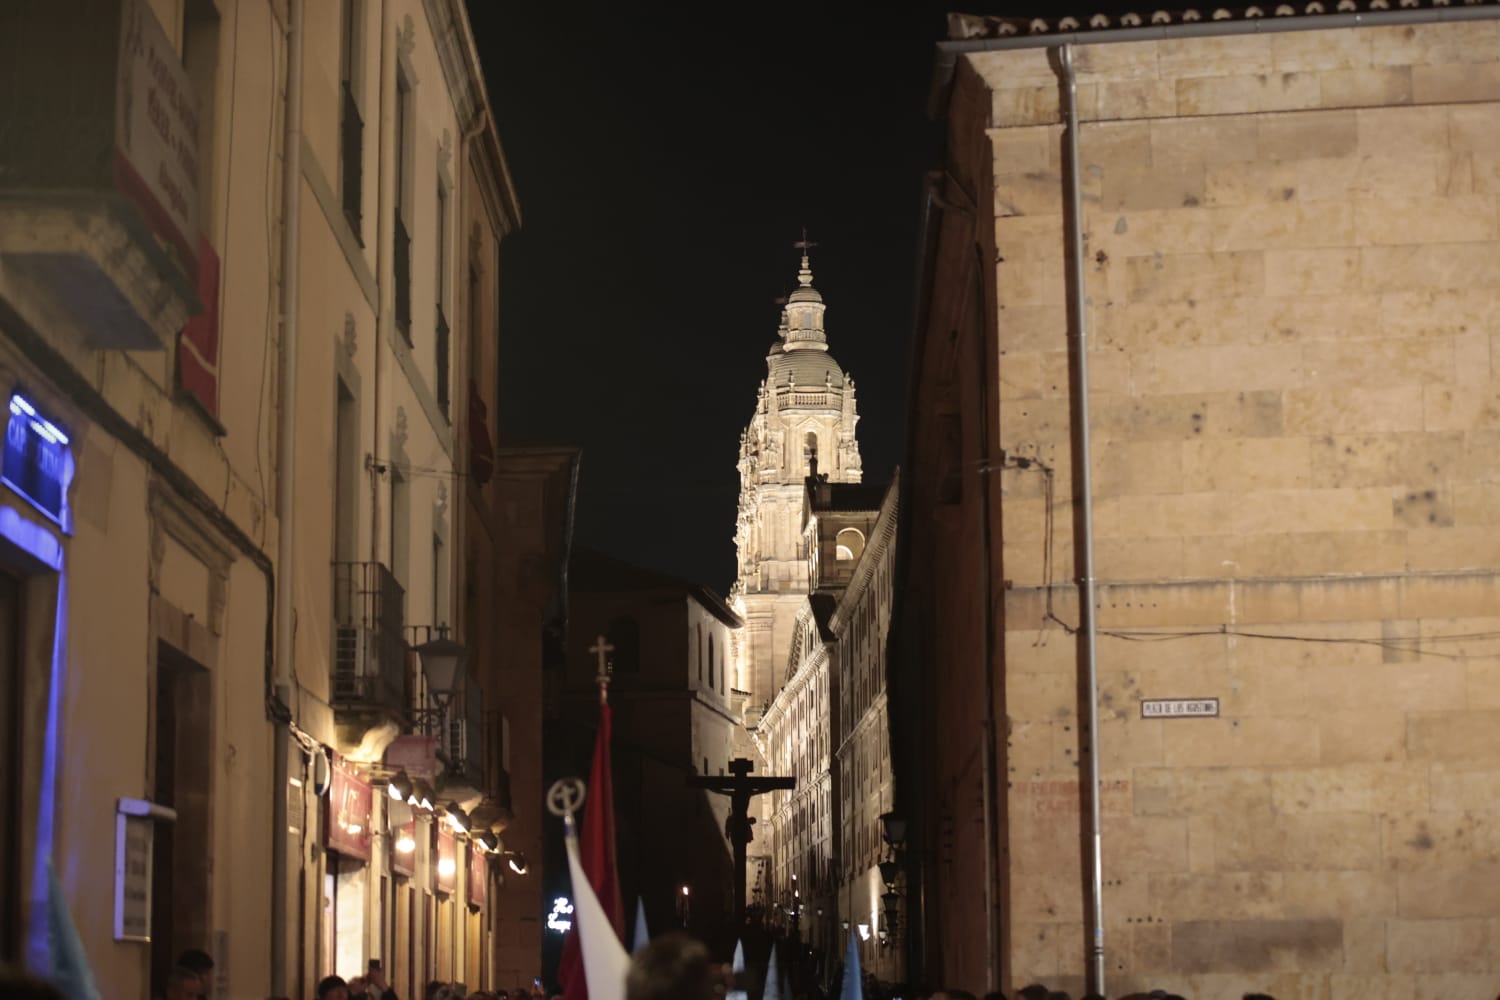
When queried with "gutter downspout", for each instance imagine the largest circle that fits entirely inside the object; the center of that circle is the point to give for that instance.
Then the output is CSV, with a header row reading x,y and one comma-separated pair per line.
x,y
385,257
286,492
1087,626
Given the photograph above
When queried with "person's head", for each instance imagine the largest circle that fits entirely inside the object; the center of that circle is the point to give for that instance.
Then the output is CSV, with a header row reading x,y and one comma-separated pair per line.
x,y
17,984
183,984
501,995
198,962
1036,991
672,967
1259,996
333,988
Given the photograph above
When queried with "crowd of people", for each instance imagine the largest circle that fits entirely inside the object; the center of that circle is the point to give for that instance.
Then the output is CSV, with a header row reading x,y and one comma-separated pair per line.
x,y
374,986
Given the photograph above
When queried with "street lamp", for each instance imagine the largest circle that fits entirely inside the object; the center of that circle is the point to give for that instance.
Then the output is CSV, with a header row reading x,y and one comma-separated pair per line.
x,y
442,663
893,829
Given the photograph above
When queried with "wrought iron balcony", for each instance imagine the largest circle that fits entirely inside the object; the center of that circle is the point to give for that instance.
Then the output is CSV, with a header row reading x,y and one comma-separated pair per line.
x,y
99,171
444,394
351,153
369,668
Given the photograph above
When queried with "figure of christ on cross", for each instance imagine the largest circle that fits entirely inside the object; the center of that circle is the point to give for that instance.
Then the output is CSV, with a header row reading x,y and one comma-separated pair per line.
x,y
740,788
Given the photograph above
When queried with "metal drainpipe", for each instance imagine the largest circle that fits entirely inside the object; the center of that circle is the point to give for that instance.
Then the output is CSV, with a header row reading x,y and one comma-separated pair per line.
x,y
286,457
1087,626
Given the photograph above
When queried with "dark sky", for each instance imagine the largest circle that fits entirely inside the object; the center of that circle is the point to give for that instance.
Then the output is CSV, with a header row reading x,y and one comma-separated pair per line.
x,y
666,160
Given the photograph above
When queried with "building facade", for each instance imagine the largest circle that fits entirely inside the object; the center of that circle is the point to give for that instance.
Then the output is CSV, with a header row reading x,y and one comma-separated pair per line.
x,y
220,584
803,424
1286,274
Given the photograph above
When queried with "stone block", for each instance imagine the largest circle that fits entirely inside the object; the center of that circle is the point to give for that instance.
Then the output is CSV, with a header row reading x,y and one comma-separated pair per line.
x,y
1364,942
1022,280
1367,87
1043,896
1406,986
1037,949
1350,788
1215,57
1257,946
1040,237
1445,945
1342,892
1145,844
1455,84
1149,231
1248,414
1309,135
1124,743
1275,511
1389,220
1321,50
1231,95
1451,736
1139,185
1409,459
1452,548
1294,554
1033,192
1285,224
1327,271
1475,593
1450,312
1227,742
1352,409
1184,142
1134,327
1448,891
1298,842
1178,277
1466,788
1216,368
1379,362
1031,328
1201,791
1025,150
1426,267
1434,44
1415,843
1136,99
1361,736
1458,408
1231,896
1139,468
1164,516
1382,131
1038,105
1228,465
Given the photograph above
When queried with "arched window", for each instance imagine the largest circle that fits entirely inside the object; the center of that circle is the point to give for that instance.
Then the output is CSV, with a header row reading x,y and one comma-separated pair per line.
x,y
698,648
711,684
850,543
625,635
810,451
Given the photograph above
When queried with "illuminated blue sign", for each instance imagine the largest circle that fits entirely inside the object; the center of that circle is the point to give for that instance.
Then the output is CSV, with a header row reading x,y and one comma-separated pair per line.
x,y
37,462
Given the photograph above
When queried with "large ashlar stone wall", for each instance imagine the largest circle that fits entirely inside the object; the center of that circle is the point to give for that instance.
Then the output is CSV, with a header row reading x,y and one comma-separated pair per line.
x,y
1293,286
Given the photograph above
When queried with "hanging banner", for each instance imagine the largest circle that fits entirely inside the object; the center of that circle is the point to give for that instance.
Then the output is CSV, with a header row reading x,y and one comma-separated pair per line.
x,y
479,876
350,805
446,880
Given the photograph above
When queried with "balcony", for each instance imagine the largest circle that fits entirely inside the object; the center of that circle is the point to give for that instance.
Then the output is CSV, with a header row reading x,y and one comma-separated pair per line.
x,y
369,664
98,173
460,733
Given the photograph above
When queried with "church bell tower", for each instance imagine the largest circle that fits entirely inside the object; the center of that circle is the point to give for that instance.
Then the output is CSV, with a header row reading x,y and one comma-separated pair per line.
x,y
803,425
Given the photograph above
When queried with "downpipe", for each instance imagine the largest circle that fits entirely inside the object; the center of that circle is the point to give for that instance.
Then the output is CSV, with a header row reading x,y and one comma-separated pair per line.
x,y
1087,626
286,494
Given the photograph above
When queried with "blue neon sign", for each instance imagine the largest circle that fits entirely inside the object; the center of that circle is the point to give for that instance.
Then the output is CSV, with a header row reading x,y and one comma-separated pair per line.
x,y
37,461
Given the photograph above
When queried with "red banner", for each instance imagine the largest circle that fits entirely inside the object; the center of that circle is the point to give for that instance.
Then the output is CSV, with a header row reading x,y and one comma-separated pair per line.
x,y
350,805
198,344
446,879
479,876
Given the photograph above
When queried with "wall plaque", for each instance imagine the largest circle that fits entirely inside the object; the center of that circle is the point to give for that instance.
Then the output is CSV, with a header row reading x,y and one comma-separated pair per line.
x,y
1180,708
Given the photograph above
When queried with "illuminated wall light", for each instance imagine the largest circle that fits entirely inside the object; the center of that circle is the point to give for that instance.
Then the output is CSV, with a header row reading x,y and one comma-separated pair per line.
x,y
405,844
446,867
864,932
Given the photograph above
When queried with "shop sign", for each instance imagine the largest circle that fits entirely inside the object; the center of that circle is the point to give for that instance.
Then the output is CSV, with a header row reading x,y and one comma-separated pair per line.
x,y
1180,708
135,840
156,129
479,876
37,461
350,805
560,920
447,862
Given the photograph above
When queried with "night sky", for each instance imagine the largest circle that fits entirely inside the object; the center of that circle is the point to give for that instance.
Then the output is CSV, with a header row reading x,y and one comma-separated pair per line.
x,y
666,160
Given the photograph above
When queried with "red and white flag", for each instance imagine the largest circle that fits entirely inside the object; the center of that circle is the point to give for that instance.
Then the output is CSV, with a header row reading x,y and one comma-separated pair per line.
x,y
595,855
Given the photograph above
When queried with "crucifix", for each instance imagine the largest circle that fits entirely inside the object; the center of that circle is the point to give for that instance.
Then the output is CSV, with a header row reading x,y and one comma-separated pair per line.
x,y
602,648
804,244
740,788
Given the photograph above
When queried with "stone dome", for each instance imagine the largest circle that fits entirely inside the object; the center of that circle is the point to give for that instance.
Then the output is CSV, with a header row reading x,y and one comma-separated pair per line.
x,y
811,369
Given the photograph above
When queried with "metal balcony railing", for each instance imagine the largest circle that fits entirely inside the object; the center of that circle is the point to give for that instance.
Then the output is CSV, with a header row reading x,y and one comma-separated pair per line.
x,y
351,155
403,280
369,666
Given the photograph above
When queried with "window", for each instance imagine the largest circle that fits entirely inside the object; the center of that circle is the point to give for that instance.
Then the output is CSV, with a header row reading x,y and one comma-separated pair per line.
x,y
400,526
849,544
351,122
403,183
439,612
810,453
711,685
345,474
441,340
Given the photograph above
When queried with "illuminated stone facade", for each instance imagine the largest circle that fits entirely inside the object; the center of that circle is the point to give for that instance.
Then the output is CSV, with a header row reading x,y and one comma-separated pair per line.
x,y
1291,287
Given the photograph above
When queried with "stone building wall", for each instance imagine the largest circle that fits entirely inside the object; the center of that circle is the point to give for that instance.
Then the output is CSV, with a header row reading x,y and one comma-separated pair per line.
x,y
1292,282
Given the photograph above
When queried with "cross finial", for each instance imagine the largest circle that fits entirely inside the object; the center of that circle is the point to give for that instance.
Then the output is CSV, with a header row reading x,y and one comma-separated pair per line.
x,y
804,276
602,648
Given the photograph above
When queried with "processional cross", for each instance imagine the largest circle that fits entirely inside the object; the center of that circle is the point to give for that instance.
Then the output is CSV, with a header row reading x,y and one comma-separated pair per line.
x,y
601,648
740,788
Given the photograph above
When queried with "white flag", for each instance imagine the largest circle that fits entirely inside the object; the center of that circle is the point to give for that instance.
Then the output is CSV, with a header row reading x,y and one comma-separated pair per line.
x,y
604,959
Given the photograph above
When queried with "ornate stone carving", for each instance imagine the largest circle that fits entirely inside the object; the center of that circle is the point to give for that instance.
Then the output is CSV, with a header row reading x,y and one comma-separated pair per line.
x,y
406,37
350,332
401,426
445,151
442,497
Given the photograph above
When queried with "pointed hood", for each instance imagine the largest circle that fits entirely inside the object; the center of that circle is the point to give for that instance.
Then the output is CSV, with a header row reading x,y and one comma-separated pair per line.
x,y
773,978
853,988
642,935
604,960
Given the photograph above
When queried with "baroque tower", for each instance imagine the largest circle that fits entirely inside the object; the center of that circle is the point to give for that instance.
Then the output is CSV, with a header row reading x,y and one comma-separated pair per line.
x,y
803,425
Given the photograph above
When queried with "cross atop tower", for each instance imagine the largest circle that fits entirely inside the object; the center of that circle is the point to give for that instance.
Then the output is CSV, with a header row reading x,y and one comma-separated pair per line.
x,y
804,244
804,276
